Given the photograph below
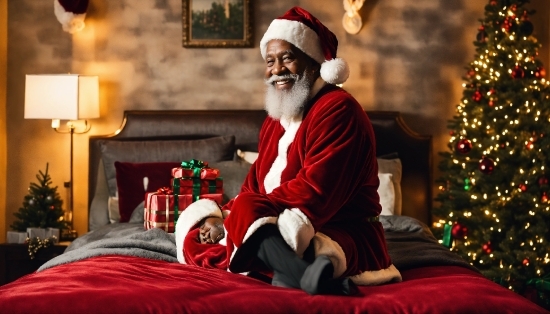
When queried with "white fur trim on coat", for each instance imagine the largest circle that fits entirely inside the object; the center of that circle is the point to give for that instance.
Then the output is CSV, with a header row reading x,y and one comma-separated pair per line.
x,y
273,178
296,33
296,229
377,277
324,245
191,216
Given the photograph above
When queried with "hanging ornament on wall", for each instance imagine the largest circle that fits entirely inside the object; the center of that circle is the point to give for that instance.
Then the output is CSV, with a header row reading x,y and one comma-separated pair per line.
x,y
459,231
477,96
464,146
517,72
486,165
487,247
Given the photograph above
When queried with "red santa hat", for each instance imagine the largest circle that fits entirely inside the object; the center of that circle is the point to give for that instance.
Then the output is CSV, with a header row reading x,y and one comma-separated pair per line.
x,y
298,27
71,14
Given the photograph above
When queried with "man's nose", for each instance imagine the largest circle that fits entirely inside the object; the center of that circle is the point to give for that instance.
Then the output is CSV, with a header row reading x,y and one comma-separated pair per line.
x,y
278,68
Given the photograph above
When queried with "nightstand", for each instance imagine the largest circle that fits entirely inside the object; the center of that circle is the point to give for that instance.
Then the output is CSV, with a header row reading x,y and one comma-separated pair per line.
x,y
15,261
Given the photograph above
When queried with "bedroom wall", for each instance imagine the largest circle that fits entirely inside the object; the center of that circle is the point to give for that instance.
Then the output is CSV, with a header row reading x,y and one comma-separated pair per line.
x,y
409,57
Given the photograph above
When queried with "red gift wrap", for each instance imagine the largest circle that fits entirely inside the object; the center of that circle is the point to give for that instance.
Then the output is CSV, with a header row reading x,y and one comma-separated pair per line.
x,y
204,173
197,186
160,211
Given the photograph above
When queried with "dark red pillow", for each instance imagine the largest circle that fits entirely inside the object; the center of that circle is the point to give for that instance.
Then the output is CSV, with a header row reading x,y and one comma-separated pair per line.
x,y
129,181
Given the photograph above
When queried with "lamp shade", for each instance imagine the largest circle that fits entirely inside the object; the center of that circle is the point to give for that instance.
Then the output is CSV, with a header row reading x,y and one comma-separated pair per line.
x,y
61,96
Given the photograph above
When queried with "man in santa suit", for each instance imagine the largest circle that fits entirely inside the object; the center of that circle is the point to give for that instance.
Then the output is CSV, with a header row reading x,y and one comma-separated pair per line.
x,y
308,209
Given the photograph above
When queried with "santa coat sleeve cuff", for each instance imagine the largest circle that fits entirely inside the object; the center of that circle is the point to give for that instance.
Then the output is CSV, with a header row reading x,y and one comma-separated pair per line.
x,y
191,216
296,229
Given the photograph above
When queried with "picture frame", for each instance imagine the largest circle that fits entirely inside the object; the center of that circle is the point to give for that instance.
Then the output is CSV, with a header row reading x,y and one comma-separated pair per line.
x,y
217,23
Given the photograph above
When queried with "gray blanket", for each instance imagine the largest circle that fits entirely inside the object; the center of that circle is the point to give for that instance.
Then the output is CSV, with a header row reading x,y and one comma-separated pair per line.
x,y
410,244
121,239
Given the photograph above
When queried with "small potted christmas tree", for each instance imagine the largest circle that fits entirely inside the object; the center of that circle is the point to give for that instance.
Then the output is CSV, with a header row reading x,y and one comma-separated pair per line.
x,y
41,207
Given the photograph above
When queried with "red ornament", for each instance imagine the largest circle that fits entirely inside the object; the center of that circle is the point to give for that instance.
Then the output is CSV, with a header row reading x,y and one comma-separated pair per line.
x,y
544,197
491,102
518,72
459,231
543,181
523,187
477,96
529,145
540,72
487,247
464,146
486,165
482,34
493,2
526,28
508,23
525,262
52,207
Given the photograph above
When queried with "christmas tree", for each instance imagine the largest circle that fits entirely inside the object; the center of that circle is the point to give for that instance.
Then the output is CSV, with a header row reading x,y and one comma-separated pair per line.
x,y
493,202
41,207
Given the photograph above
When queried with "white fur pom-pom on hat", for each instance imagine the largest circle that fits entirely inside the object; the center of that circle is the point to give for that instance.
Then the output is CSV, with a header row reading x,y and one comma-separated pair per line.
x,y
335,71
298,27
71,14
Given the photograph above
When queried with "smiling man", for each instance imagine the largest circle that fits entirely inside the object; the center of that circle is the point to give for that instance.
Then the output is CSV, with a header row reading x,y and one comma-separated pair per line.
x,y
308,209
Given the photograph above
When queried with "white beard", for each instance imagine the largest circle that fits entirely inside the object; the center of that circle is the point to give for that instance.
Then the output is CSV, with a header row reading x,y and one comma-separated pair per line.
x,y
287,104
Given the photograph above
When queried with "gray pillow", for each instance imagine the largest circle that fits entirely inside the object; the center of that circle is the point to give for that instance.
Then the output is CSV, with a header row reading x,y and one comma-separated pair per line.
x,y
233,173
211,149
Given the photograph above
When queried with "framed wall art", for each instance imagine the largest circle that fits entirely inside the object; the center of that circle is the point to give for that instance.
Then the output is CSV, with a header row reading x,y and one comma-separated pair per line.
x,y
217,23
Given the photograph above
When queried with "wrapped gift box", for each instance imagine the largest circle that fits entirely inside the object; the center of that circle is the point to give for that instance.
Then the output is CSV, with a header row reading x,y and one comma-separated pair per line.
x,y
160,209
196,186
203,173
16,237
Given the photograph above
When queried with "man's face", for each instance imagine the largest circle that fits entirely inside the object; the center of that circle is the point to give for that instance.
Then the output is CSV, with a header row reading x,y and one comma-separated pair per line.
x,y
283,58
289,76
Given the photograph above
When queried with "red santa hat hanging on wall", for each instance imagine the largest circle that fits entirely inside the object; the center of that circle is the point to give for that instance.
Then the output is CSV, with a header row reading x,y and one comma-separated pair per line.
x,y
71,14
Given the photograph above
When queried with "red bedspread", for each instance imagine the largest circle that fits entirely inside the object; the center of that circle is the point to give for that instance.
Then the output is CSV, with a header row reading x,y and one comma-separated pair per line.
x,y
124,284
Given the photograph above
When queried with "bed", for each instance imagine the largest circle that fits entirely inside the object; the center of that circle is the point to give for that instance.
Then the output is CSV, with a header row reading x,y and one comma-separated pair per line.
x,y
118,267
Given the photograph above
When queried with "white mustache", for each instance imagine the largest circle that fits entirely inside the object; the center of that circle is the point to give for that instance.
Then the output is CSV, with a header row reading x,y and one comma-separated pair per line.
x,y
274,78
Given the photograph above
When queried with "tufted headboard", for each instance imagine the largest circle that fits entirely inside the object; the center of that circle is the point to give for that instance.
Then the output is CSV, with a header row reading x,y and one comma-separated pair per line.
x,y
392,136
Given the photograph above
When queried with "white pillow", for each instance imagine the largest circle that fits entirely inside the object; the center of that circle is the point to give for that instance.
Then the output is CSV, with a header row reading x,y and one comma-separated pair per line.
x,y
387,193
393,167
249,157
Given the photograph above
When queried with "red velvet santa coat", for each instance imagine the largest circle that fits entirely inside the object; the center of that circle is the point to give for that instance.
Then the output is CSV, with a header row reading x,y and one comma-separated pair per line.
x,y
317,179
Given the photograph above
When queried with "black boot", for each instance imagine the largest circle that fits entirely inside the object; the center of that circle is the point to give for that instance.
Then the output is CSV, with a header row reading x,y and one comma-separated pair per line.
x,y
317,279
287,266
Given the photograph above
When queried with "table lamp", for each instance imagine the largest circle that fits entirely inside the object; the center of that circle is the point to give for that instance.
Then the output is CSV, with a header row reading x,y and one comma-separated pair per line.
x,y
63,97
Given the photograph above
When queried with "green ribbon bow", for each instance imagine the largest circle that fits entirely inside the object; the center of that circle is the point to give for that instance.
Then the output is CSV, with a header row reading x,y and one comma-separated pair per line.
x,y
195,165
